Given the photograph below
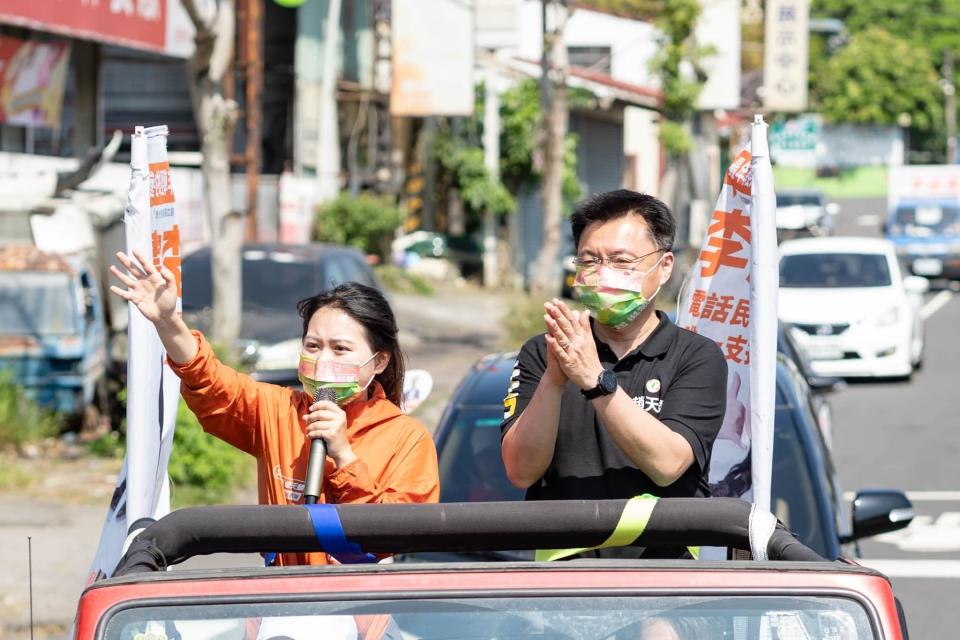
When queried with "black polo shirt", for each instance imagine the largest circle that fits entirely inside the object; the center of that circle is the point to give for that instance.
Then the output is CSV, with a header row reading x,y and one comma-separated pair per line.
x,y
677,376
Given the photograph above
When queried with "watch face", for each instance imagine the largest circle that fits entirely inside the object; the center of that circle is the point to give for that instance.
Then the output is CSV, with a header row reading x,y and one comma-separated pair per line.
x,y
608,381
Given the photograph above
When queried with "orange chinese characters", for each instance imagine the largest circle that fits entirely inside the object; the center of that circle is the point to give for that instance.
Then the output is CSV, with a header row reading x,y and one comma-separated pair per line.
x,y
721,246
166,252
735,349
741,315
161,186
740,175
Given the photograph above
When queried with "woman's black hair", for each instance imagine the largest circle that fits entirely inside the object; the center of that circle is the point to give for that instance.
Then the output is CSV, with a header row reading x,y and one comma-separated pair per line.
x,y
367,306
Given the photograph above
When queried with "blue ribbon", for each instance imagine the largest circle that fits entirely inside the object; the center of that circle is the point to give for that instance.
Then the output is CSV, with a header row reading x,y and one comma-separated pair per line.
x,y
330,535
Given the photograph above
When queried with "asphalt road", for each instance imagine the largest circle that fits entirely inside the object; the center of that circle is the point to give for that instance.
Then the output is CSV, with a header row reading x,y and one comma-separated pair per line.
x,y
901,435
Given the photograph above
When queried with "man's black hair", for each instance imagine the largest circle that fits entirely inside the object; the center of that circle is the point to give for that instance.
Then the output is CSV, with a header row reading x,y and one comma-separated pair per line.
x,y
610,205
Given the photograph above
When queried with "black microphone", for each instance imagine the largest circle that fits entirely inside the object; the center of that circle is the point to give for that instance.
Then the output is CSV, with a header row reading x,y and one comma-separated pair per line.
x,y
318,455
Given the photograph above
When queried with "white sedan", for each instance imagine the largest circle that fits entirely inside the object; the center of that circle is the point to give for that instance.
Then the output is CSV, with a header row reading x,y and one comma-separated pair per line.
x,y
850,308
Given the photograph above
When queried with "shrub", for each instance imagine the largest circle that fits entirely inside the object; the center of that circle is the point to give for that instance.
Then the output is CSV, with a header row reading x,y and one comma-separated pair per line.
x,y
396,279
21,419
208,468
366,222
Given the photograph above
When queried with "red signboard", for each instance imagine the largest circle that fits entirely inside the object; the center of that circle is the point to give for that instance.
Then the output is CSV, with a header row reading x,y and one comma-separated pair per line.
x,y
140,24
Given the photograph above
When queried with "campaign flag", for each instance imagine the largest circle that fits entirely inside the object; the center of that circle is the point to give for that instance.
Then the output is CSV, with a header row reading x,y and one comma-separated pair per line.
x,y
142,494
732,299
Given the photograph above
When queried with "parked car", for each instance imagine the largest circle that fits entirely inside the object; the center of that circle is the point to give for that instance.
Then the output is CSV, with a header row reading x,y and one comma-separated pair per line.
x,y
463,251
806,495
804,211
275,278
796,596
926,234
52,329
851,309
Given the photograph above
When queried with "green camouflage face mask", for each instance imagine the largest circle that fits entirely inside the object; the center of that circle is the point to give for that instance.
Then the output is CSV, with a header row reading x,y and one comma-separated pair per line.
x,y
614,296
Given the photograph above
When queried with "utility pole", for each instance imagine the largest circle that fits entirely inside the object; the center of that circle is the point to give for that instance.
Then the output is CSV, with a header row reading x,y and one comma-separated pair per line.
x,y
491,160
950,95
253,72
328,132
546,281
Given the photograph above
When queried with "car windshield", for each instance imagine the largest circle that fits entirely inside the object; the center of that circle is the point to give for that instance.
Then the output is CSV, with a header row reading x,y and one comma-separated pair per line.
x,y
834,270
471,468
584,617
927,219
37,303
798,199
267,284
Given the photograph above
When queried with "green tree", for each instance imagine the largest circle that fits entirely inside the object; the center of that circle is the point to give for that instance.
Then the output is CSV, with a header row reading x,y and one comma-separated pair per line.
x,y
876,77
919,29
927,24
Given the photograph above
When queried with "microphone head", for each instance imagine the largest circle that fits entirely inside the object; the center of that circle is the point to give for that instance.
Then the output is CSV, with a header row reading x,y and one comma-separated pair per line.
x,y
325,393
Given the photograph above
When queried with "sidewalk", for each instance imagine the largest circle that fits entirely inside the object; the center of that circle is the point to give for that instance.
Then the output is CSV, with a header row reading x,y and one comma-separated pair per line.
x,y
444,333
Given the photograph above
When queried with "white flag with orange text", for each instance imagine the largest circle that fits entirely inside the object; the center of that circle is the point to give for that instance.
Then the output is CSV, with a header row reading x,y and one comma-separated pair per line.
x,y
732,299
142,493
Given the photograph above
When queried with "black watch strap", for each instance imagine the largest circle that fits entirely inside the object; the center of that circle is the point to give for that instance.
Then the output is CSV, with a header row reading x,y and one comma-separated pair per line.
x,y
606,384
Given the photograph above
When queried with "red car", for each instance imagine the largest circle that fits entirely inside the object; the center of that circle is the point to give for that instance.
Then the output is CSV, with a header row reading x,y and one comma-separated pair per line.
x,y
788,593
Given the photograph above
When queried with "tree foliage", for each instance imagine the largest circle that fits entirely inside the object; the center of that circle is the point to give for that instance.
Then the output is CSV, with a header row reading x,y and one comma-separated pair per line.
x,y
519,138
926,24
876,77
916,31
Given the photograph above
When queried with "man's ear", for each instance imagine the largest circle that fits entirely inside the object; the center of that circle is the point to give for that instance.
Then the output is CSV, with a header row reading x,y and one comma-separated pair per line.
x,y
666,267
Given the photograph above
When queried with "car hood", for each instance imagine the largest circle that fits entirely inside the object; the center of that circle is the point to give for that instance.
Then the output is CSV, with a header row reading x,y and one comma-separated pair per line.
x,y
835,306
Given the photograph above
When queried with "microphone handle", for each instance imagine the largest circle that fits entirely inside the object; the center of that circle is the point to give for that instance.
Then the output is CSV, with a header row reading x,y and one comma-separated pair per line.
x,y
313,486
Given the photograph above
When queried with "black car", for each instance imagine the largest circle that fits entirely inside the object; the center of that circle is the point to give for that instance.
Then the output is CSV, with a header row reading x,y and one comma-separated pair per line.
x,y
805,494
275,277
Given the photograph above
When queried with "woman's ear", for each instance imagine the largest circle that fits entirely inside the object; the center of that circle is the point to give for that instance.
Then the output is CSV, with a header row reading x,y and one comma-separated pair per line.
x,y
381,362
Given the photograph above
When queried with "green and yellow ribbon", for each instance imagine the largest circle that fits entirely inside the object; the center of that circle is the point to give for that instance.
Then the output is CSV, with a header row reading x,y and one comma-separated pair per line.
x,y
631,525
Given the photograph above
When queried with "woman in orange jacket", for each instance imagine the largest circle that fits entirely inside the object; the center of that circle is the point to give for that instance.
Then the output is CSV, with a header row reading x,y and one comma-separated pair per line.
x,y
375,453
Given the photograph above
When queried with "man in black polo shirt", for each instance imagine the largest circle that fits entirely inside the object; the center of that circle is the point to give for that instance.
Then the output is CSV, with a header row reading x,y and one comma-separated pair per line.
x,y
619,401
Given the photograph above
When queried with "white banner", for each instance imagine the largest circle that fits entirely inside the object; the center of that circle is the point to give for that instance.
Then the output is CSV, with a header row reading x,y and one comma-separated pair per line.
x,y
732,299
432,58
786,41
142,494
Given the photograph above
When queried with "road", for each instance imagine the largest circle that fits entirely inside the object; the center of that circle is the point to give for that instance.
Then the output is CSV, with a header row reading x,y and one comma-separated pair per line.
x,y
900,435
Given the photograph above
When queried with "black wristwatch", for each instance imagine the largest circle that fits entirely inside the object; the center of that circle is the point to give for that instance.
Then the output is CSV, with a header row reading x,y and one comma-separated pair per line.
x,y
606,384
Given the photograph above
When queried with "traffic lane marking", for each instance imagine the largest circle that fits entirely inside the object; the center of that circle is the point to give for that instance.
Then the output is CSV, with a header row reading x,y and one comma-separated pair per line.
x,y
936,303
868,220
918,496
927,534
897,568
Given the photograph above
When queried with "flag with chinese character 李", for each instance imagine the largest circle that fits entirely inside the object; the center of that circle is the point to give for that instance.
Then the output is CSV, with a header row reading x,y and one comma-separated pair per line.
x,y
142,493
732,299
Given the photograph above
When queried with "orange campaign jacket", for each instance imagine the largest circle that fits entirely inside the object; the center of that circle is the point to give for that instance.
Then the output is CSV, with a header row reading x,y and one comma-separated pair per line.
x,y
396,457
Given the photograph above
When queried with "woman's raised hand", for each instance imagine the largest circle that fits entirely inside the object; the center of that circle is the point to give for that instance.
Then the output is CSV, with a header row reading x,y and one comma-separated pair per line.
x,y
153,291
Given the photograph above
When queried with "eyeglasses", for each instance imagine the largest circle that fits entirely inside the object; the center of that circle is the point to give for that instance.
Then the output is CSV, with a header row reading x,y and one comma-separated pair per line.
x,y
616,262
